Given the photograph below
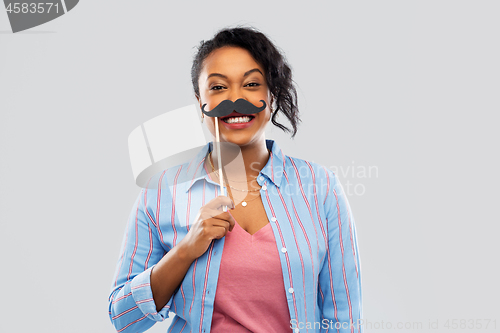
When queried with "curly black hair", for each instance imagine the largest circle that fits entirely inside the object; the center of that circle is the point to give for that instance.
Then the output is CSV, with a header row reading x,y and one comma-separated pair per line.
x,y
277,71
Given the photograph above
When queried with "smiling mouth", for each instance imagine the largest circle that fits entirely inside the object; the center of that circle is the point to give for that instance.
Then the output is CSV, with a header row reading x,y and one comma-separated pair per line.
x,y
238,120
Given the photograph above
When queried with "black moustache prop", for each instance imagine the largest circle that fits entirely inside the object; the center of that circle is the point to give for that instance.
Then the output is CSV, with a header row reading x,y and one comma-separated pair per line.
x,y
226,107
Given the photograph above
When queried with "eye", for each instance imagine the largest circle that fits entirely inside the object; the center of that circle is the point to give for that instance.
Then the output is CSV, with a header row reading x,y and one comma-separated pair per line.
x,y
217,87
252,84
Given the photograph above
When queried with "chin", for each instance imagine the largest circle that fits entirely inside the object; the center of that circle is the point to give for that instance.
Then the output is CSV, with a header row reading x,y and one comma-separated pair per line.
x,y
240,140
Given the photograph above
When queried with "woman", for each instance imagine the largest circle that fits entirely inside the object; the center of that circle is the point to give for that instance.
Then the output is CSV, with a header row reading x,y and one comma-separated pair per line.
x,y
283,258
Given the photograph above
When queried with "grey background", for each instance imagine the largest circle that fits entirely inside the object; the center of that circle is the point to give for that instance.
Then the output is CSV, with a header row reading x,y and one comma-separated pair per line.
x,y
409,87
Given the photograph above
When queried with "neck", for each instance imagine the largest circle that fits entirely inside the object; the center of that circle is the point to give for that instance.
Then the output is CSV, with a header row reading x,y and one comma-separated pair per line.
x,y
239,163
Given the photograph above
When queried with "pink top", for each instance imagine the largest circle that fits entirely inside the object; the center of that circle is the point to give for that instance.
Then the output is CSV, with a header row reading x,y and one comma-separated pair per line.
x,y
250,295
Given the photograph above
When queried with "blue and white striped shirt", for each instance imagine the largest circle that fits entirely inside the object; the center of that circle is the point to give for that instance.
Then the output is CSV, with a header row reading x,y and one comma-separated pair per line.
x,y
314,230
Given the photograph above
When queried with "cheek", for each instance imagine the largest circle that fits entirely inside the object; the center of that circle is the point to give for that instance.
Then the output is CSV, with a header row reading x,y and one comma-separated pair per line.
x,y
264,97
211,102
268,115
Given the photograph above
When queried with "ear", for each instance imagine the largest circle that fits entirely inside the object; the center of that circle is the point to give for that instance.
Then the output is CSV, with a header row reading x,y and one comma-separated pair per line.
x,y
199,101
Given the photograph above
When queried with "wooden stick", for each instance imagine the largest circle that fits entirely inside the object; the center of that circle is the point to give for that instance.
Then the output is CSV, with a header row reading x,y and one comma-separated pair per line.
x,y
219,160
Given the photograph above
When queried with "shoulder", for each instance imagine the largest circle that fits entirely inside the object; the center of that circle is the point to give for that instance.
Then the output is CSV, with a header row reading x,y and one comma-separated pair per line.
x,y
310,174
306,169
165,181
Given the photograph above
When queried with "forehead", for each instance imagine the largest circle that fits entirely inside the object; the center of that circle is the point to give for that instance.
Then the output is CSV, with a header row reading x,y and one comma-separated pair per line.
x,y
229,60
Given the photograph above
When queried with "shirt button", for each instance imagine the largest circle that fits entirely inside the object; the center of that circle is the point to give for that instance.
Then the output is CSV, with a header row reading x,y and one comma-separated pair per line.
x,y
261,178
283,249
264,187
273,219
290,290
297,330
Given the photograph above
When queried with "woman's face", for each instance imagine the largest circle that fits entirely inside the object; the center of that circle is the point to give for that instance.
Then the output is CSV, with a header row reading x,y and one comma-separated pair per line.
x,y
232,73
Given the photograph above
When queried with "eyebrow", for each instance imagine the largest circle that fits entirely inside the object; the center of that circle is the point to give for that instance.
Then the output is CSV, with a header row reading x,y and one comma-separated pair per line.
x,y
244,75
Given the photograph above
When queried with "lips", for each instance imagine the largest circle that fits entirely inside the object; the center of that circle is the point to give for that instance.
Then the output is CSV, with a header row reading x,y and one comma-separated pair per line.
x,y
236,114
235,124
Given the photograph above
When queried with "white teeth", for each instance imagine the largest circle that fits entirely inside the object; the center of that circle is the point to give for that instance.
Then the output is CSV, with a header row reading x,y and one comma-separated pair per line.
x,y
236,120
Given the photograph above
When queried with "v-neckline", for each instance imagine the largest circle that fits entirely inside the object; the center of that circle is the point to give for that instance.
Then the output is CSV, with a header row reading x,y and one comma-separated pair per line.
x,y
258,232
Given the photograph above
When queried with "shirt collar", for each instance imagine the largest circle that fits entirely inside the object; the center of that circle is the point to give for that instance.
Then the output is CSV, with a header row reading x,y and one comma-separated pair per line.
x,y
273,169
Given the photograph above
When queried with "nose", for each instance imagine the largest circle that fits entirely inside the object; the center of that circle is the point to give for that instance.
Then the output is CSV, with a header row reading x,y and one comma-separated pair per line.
x,y
236,94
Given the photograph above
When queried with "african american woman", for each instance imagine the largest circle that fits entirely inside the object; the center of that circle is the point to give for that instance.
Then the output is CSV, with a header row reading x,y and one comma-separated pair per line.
x,y
282,258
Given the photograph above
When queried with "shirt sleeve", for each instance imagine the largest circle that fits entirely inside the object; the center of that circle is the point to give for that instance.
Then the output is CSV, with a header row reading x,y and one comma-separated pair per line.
x,y
131,304
339,295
